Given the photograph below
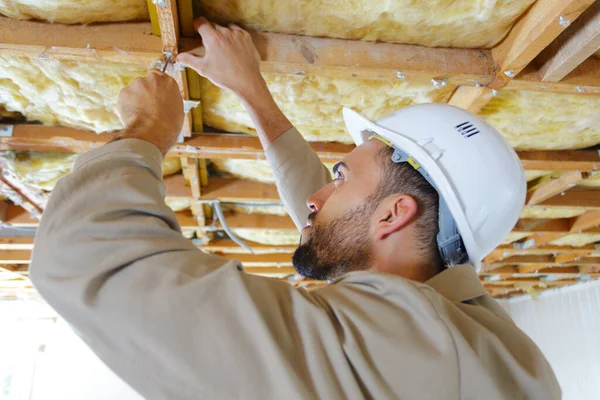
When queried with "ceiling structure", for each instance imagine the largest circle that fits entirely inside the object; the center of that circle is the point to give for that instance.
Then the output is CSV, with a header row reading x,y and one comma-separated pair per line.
x,y
546,58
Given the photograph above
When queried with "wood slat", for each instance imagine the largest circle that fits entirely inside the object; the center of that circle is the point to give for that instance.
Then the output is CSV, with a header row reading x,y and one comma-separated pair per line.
x,y
553,187
583,80
576,197
216,145
572,47
471,98
584,222
534,31
303,55
129,43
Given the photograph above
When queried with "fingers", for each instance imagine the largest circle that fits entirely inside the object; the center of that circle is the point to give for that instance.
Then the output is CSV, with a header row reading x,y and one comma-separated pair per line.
x,y
204,28
234,27
191,60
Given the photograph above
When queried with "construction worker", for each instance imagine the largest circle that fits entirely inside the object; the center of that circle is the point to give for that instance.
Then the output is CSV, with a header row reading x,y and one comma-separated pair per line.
x,y
405,315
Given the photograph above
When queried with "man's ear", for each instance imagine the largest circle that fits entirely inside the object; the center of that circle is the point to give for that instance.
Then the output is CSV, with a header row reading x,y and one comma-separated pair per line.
x,y
397,212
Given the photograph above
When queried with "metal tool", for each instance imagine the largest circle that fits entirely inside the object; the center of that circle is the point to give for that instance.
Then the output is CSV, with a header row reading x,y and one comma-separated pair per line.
x,y
164,68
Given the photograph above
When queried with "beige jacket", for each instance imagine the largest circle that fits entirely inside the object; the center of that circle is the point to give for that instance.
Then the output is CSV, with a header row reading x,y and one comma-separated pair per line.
x,y
176,323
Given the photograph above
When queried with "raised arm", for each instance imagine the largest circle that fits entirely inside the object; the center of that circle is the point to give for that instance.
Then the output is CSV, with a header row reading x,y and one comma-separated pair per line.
x,y
173,322
232,62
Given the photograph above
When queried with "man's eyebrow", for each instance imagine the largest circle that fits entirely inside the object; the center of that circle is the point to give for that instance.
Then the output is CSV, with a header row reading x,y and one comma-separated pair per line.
x,y
338,165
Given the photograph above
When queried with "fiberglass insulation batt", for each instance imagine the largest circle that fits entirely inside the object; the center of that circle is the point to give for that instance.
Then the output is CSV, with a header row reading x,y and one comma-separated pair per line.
x,y
438,23
75,11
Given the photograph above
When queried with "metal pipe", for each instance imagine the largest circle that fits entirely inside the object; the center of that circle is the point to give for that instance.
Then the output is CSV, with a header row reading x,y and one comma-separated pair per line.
x,y
232,236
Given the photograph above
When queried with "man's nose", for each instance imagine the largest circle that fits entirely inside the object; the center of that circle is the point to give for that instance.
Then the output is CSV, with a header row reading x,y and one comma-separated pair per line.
x,y
316,201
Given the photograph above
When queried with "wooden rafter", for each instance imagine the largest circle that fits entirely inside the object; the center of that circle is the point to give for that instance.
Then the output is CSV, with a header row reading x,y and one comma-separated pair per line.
x,y
216,145
585,222
533,32
572,47
553,186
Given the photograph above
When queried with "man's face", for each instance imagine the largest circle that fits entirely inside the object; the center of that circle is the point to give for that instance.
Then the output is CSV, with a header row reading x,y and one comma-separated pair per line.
x,y
337,238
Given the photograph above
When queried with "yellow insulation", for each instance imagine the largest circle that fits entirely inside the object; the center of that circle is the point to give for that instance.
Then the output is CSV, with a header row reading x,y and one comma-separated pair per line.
x,y
271,210
178,203
533,174
514,236
577,239
552,212
75,11
442,23
67,93
592,181
314,103
545,121
43,169
257,170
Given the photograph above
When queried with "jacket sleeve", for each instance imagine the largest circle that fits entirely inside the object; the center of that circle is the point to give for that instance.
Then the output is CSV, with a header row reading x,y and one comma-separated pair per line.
x,y
298,172
172,321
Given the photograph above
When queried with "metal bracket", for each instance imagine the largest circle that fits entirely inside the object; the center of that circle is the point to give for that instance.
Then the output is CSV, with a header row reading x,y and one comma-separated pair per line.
x,y
6,130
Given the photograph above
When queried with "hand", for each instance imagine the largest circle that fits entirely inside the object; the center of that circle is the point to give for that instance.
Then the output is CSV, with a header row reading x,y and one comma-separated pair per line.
x,y
230,60
152,110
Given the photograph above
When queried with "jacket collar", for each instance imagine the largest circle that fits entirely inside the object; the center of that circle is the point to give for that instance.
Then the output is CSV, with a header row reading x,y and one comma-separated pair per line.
x,y
458,283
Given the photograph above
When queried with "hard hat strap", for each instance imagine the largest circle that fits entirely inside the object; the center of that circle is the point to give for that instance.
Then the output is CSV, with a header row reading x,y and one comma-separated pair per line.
x,y
450,244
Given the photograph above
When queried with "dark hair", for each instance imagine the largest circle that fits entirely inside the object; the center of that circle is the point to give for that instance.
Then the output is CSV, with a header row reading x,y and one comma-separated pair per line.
x,y
403,178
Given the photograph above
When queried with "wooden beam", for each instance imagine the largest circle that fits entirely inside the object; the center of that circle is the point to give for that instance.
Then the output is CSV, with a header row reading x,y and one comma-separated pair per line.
x,y
168,21
589,220
583,80
255,221
471,98
15,256
303,55
576,197
126,42
265,260
240,190
533,32
229,246
571,256
16,243
552,187
565,160
218,145
572,47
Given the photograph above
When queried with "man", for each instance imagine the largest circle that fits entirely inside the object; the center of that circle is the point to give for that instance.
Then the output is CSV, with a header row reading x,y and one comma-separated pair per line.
x,y
176,323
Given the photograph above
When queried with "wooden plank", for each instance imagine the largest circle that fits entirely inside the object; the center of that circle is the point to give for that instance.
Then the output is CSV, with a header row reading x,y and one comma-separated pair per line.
x,y
566,160
229,246
240,190
15,256
589,220
583,80
576,197
505,251
303,55
572,47
255,221
266,260
534,31
270,271
553,187
471,98
186,18
218,145
111,42
168,20
571,256
16,243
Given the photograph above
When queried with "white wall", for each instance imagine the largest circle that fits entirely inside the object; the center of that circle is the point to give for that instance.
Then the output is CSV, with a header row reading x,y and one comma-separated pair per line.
x,y
565,324
69,370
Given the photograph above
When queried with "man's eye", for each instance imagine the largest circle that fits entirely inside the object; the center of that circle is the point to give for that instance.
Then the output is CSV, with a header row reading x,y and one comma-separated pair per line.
x,y
338,176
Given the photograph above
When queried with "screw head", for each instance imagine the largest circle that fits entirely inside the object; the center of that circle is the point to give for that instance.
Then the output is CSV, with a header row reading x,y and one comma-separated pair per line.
x,y
399,75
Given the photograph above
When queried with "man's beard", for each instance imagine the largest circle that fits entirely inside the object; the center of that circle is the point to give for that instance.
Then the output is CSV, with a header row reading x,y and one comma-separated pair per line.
x,y
336,247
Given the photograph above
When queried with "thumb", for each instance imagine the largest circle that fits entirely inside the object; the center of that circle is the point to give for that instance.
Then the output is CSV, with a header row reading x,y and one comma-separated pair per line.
x,y
191,60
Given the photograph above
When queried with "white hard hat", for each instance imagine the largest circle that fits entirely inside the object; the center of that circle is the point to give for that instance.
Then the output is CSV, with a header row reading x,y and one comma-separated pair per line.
x,y
475,171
